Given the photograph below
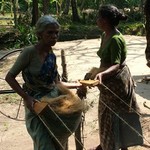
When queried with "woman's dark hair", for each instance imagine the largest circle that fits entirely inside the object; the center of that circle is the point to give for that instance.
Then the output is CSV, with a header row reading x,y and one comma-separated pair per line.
x,y
111,13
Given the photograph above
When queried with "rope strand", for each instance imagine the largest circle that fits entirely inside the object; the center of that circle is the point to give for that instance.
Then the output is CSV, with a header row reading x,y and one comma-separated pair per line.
x,y
65,125
120,99
52,133
121,117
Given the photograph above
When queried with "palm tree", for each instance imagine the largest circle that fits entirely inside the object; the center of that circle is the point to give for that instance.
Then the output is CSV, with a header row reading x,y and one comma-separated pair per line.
x,y
15,12
35,12
75,15
66,4
46,7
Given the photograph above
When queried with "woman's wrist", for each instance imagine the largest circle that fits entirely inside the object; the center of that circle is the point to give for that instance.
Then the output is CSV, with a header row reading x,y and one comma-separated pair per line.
x,y
25,96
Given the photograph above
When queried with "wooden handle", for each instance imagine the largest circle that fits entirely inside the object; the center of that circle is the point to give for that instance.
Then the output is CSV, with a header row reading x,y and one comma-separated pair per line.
x,y
89,82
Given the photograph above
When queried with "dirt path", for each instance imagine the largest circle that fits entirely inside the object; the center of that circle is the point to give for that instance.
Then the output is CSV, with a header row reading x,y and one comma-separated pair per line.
x,y
80,57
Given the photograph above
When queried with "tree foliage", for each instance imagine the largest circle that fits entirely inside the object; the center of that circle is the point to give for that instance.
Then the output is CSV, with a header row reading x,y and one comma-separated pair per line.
x,y
68,12
64,7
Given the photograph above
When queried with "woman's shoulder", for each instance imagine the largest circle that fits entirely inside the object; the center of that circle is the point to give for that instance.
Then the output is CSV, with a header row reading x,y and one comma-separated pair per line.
x,y
28,52
118,37
29,49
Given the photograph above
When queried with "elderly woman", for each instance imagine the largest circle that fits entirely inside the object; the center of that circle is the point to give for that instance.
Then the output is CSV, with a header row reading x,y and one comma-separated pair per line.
x,y
39,71
115,75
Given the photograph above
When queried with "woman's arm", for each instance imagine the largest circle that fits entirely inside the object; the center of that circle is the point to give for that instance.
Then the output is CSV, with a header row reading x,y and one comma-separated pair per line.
x,y
71,85
10,79
108,72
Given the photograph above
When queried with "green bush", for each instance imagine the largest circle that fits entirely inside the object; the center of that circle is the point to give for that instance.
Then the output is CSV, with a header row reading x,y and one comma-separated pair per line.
x,y
78,31
134,28
24,34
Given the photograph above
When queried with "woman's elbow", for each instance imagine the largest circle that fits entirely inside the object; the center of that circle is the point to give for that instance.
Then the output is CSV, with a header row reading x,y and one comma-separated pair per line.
x,y
9,77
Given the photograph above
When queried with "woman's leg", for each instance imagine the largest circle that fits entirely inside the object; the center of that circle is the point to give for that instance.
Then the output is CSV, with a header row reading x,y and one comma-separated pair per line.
x,y
40,135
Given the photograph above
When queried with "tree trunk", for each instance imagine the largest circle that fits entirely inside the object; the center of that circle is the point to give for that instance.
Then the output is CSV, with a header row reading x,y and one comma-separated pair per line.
x,y
147,28
2,7
142,6
45,7
75,16
15,13
66,7
35,12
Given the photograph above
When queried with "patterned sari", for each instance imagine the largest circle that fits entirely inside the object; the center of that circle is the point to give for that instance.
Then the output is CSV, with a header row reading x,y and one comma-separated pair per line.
x,y
37,87
122,85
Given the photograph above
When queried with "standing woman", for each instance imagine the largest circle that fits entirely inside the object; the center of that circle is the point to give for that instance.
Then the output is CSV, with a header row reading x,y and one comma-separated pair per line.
x,y
115,75
39,70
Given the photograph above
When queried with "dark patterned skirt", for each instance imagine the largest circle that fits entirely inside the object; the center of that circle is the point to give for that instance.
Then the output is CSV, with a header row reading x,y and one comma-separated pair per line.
x,y
109,104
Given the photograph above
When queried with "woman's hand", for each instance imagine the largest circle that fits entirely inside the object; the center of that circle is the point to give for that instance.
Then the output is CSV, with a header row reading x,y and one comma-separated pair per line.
x,y
87,76
99,77
29,102
82,91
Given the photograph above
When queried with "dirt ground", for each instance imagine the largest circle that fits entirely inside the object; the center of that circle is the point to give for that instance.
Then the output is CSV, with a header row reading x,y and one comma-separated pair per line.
x,y
81,57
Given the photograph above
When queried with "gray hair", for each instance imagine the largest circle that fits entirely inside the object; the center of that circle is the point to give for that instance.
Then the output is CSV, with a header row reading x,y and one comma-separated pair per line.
x,y
43,22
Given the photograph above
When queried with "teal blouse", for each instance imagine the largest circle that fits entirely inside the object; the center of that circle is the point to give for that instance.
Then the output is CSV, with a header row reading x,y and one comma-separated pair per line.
x,y
36,74
114,51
